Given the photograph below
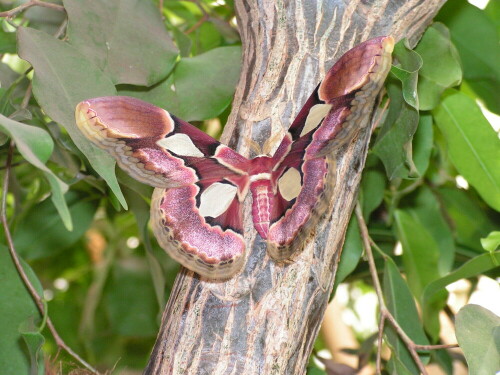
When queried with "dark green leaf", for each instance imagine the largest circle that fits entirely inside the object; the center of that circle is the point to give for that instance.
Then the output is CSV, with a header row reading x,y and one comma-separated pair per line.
x,y
7,42
441,65
351,252
396,367
41,232
16,306
428,213
63,78
201,87
423,143
36,146
408,63
372,191
400,303
393,144
141,212
469,221
476,327
420,252
34,342
126,39
473,145
130,290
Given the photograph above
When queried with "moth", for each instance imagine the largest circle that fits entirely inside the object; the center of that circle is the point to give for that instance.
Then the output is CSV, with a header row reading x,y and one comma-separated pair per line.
x,y
201,184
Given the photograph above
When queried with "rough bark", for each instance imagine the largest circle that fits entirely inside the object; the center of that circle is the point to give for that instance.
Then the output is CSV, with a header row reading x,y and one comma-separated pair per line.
x,y
265,320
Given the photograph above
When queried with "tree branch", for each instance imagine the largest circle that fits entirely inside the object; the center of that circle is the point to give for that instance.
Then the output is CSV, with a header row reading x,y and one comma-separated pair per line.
x,y
21,8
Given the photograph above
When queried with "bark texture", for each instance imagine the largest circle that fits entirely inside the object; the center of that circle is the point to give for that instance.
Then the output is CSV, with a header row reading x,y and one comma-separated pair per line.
x,y
265,319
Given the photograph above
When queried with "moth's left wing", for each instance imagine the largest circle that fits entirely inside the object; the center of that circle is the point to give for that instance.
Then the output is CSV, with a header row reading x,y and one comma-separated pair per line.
x,y
305,164
195,209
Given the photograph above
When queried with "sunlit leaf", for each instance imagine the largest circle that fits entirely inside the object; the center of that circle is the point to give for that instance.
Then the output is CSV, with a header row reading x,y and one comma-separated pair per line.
x,y
478,48
63,78
492,242
473,145
478,334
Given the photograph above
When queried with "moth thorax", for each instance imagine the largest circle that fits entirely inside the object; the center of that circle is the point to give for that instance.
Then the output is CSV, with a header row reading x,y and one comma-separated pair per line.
x,y
262,198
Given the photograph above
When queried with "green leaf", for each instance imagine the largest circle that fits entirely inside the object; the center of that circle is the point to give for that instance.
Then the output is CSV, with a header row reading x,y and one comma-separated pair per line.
x,y
41,233
393,145
472,268
478,48
492,10
141,212
441,65
492,242
16,306
34,341
469,220
372,191
126,39
200,87
477,331
428,213
396,367
406,70
63,78
473,145
420,252
351,252
400,303
423,143
7,42
130,289
36,146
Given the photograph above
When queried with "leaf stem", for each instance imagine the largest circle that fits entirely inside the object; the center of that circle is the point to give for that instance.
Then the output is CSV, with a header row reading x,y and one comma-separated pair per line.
x,y
13,12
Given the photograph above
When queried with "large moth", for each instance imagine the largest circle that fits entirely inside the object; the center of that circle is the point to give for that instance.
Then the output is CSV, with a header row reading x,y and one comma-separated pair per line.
x,y
201,183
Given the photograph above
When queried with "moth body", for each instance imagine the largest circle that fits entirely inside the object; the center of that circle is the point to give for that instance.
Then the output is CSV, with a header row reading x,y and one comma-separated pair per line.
x,y
201,184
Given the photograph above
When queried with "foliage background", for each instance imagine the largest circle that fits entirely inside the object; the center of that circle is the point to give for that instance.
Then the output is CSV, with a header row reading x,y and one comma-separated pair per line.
x,y
81,227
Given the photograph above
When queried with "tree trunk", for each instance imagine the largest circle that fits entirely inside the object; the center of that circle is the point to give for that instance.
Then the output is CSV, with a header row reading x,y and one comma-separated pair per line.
x,y
265,319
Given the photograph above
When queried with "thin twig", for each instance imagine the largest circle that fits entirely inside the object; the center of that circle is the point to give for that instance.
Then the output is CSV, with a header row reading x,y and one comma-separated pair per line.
x,y
200,22
385,314
38,300
11,13
435,347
